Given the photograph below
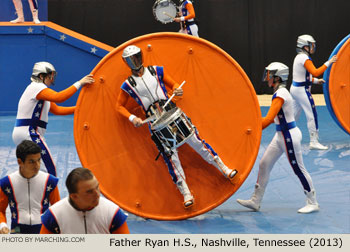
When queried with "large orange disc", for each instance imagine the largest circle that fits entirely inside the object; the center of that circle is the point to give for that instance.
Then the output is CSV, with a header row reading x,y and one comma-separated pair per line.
x,y
339,86
218,97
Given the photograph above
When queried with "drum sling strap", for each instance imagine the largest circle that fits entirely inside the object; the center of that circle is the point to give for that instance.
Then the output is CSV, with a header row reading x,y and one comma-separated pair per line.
x,y
132,80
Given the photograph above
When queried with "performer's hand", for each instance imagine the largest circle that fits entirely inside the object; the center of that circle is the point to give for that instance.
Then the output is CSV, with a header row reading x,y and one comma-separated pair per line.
x,y
177,20
178,91
137,122
4,230
88,79
321,81
333,59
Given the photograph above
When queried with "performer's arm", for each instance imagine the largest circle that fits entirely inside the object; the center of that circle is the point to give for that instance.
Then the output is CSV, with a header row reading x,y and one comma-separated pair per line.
x,y
54,196
273,111
3,205
191,13
59,110
310,67
123,229
48,94
44,230
121,103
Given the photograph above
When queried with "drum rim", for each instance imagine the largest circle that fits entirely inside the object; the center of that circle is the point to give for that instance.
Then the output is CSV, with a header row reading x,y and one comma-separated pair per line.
x,y
154,11
164,124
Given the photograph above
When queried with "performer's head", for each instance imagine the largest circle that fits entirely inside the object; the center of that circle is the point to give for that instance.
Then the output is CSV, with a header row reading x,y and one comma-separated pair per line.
x,y
306,43
132,56
83,189
28,155
276,74
44,72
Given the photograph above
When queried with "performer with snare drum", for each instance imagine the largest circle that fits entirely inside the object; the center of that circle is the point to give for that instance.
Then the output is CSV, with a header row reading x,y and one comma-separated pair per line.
x,y
165,11
169,126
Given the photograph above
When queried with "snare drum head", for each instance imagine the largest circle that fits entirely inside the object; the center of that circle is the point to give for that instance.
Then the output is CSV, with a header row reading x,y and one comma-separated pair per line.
x,y
164,11
337,86
122,157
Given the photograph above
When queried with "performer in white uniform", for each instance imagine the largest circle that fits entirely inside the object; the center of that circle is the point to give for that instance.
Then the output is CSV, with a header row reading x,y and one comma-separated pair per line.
x,y
303,77
35,104
187,18
33,4
147,87
28,192
287,139
84,212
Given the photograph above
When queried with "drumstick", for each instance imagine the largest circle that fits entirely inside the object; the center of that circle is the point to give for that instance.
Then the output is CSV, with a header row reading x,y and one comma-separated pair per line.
x,y
149,119
171,97
167,14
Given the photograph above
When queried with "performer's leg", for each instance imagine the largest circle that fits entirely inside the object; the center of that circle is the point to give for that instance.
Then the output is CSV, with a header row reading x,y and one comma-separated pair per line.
x,y
271,155
177,173
294,154
19,9
35,10
193,30
45,152
209,155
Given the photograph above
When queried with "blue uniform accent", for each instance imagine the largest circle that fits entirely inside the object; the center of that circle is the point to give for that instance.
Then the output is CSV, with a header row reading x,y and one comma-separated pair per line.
x,y
6,187
289,126
35,4
160,75
313,106
118,220
205,143
51,222
184,13
50,185
34,123
290,151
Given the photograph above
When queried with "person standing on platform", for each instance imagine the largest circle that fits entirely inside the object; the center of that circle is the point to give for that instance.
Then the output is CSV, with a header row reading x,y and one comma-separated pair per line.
x,y
28,192
304,73
287,139
33,4
187,18
35,104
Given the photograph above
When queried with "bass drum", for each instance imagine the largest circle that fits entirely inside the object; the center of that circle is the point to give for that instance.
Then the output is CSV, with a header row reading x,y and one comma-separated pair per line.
x,y
122,157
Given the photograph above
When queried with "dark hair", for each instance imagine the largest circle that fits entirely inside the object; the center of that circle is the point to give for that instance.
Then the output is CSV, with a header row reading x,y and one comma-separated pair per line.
x,y
76,175
25,148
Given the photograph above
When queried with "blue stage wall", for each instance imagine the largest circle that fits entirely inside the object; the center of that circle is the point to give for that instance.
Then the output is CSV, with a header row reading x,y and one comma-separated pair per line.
x,y
22,46
8,12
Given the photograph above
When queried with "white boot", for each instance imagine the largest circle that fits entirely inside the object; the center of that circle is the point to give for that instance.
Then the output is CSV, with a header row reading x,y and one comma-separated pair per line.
x,y
185,191
35,13
19,9
254,202
314,144
229,173
311,203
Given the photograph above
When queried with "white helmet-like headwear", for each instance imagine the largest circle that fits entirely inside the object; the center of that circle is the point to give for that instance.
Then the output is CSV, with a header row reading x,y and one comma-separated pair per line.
x,y
42,67
132,56
305,40
276,69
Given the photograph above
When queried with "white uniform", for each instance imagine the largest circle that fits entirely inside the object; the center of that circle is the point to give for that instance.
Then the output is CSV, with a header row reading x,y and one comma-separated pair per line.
x,y
63,218
28,199
31,121
301,92
150,89
287,139
188,26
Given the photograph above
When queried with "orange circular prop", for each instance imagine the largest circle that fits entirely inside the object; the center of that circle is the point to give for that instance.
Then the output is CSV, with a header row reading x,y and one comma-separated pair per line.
x,y
339,86
218,97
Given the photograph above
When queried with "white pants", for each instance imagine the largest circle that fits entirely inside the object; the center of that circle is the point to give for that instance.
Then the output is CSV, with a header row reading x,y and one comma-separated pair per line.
x,y
303,100
288,142
190,30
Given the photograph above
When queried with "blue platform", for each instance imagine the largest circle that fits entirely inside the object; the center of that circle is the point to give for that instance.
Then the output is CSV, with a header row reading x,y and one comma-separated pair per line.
x,y
330,171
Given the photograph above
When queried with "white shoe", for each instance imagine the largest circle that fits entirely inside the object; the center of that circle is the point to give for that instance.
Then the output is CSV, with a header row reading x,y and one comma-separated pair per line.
x,y
17,20
309,208
36,21
249,204
188,200
317,146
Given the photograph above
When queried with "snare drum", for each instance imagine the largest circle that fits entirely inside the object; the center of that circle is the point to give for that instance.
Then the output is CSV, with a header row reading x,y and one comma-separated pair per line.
x,y
164,11
173,128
